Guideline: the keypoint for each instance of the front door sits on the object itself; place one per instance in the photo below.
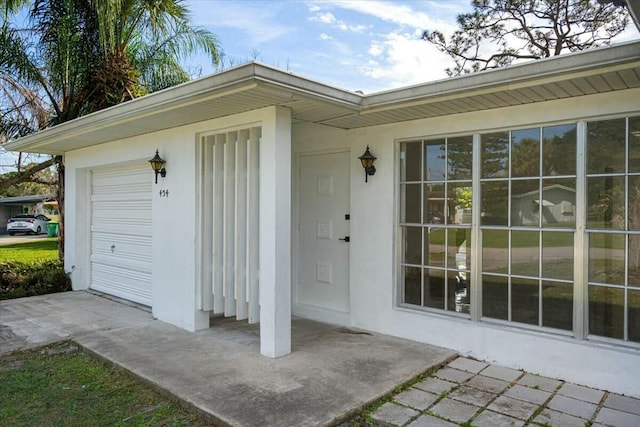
(323, 230)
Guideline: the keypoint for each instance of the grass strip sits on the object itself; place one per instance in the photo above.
(60, 385)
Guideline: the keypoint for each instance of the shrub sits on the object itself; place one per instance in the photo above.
(20, 279)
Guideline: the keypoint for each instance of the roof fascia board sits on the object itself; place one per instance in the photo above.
(516, 76)
(287, 81)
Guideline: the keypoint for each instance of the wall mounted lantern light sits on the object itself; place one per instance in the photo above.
(157, 164)
(367, 160)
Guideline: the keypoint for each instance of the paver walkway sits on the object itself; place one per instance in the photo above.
(471, 393)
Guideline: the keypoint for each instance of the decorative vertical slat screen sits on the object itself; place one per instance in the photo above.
(242, 309)
(218, 223)
(229, 224)
(230, 182)
(253, 208)
(206, 302)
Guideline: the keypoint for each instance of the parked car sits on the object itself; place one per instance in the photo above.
(27, 223)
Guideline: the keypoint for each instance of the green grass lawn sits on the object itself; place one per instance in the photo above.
(59, 385)
(29, 252)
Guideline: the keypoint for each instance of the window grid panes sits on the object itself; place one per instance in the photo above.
(613, 228)
(527, 181)
(527, 223)
(435, 222)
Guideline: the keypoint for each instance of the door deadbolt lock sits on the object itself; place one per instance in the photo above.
(346, 239)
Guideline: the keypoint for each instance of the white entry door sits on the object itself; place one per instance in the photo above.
(121, 259)
(323, 230)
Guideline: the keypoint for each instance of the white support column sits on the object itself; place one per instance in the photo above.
(275, 234)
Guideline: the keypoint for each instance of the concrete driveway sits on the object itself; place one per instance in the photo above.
(331, 373)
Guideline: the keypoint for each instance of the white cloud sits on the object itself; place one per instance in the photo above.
(405, 60)
(396, 55)
(399, 14)
(325, 36)
(376, 48)
(260, 23)
(329, 19)
(325, 18)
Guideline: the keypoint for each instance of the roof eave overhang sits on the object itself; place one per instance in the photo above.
(513, 77)
(340, 108)
(241, 79)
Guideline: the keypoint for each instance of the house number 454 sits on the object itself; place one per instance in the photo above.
(164, 193)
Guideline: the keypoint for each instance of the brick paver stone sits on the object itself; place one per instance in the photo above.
(493, 419)
(393, 414)
(469, 365)
(581, 393)
(472, 395)
(501, 373)
(572, 406)
(558, 419)
(612, 417)
(454, 375)
(453, 410)
(514, 407)
(488, 384)
(435, 385)
(623, 403)
(529, 394)
(541, 383)
(417, 399)
(427, 420)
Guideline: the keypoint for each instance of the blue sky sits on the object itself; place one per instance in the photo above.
(356, 45)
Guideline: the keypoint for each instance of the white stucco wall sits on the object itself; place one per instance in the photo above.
(372, 248)
(372, 230)
(174, 218)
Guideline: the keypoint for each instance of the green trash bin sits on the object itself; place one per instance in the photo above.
(52, 229)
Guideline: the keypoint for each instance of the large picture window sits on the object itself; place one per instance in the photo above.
(613, 227)
(527, 223)
(435, 222)
(524, 200)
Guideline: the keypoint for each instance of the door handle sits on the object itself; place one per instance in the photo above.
(345, 239)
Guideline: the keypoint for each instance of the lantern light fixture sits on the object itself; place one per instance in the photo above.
(367, 160)
(157, 164)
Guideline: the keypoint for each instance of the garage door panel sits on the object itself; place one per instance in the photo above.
(121, 228)
(123, 283)
(122, 251)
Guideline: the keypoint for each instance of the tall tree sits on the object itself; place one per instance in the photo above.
(79, 56)
(498, 32)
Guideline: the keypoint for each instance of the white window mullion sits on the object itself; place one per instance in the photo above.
(475, 275)
(581, 249)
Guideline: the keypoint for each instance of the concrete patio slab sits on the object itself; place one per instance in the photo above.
(330, 373)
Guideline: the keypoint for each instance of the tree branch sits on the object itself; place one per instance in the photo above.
(26, 175)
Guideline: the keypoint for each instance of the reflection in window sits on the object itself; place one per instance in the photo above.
(495, 155)
(613, 227)
(528, 198)
(559, 150)
(525, 152)
(435, 196)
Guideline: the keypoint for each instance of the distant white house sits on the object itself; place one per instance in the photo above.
(265, 212)
(557, 206)
(10, 206)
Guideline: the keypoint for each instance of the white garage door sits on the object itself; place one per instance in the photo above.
(121, 232)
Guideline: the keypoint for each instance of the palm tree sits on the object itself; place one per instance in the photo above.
(79, 56)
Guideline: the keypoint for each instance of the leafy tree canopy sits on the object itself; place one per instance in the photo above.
(498, 32)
